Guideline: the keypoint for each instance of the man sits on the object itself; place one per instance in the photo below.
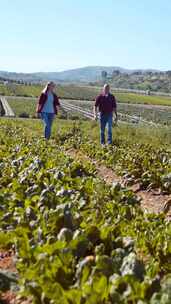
(106, 104)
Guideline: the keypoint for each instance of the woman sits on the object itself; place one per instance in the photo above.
(47, 107)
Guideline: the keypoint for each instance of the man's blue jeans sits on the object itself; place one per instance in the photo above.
(48, 120)
(106, 119)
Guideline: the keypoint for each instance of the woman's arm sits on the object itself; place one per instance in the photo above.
(57, 104)
(41, 102)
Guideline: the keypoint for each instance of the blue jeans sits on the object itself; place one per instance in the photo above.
(106, 119)
(47, 119)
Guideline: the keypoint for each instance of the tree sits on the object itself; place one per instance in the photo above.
(104, 75)
(168, 73)
(115, 73)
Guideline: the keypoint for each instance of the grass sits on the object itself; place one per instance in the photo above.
(155, 114)
(20, 106)
(28, 105)
(63, 91)
(131, 134)
(72, 233)
(142, 153)
(82, 93)
(141, 99)
(155, 137)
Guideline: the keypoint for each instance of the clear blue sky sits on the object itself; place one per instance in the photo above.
(39, 35)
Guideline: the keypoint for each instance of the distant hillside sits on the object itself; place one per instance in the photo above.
(86, 74)
(152, 80)
(20, 76)
(148, 80)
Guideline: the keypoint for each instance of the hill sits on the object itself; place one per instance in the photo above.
(153, 80)
(85, 74)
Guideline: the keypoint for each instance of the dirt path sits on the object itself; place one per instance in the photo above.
(151, 201)
(7, 109)
(7, 264)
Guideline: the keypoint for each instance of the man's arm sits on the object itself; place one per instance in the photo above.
(115, 110)
(95, 112)
(58, 107)
(96, 105)
(116, 115)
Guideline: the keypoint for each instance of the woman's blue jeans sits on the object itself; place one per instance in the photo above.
(47, 120)
(106, 119)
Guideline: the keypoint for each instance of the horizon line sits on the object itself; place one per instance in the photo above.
(88, 66)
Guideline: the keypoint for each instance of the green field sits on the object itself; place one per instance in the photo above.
(76, 239)
(27, 106)
(63, 91)
(141, 99)
(82, 93)
(152, 114)
(21, 106)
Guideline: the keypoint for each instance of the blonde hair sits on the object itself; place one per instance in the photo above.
(47, 86)
(106, 85)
